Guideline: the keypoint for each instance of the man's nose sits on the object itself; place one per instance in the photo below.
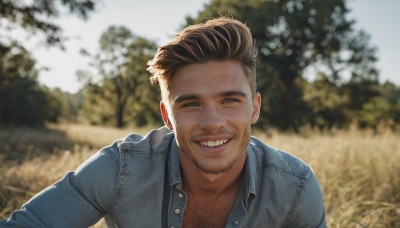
(212, 119)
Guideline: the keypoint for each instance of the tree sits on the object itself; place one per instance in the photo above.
(327, 103)
(382, 108)
(392, 94)
(22, 100)
(121, 65)
(38, 16)
(293, 35)
(72, 103)
(144, 105)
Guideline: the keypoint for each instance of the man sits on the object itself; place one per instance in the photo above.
(203, 169)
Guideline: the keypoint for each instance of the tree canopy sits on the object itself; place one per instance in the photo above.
(22, 99)
(292, 37)
(123, 85)
(314, 68)
(38, 16)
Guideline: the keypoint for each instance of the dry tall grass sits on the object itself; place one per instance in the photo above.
(359, 172)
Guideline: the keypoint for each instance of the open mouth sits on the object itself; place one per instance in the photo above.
(215, 143)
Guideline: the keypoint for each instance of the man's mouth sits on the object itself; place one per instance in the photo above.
(214, 143)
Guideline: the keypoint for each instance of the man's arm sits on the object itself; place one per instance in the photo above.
(80, 199)
(308, 209)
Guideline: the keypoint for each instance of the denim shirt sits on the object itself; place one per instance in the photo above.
(137, 182)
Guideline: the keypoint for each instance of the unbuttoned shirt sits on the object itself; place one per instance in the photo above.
(137, 182)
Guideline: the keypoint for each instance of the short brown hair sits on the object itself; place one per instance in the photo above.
(217, 39)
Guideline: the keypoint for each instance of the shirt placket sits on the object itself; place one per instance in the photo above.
(177, 209)
(238, 214)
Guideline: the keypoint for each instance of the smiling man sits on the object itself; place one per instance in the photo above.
(204, 169)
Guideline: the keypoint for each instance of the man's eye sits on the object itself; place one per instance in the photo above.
(191, 104)
(230, 100)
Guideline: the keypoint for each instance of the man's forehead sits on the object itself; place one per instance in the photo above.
(208, 77)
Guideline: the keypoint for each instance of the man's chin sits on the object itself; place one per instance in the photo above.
(213, 169)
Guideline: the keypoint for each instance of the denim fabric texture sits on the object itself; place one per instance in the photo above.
(136, 182)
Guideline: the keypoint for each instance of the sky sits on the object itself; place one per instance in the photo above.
(158, 20)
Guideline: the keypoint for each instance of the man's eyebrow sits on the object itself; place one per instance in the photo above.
(233, 93)
(229, 93)
(185, 97)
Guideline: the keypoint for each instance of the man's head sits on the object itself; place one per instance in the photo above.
(217, 39)
(207, 77)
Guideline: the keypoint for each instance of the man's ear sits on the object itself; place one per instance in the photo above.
(164, 115)
(256, 108)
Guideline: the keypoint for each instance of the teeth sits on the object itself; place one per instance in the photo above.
(214, 143)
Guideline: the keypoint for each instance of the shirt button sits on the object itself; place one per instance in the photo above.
(236, 222)
(180, 195)
(177, 211)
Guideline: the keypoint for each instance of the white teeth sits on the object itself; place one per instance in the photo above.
(213, 143)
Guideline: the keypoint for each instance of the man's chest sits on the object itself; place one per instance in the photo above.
(211, 216)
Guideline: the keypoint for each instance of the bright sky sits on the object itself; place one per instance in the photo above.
(160, 19)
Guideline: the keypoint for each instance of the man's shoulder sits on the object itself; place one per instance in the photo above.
(268, 157)
(155, 141)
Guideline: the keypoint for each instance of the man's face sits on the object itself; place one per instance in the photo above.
(211, 111)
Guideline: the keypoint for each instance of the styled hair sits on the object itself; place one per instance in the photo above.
(218, 39)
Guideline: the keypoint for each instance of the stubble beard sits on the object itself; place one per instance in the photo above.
(217, 170)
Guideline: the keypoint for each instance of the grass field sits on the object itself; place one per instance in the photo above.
(359, 172)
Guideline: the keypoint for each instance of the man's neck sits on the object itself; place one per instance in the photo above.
(199, 183)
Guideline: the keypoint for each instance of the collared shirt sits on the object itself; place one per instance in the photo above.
(137, 182)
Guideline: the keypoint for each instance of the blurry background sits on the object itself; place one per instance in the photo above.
(73, 78)
(321, 65)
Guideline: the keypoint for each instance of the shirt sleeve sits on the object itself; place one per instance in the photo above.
(308, 210)
(79, 199)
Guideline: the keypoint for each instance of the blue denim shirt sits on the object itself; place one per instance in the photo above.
(136, 182)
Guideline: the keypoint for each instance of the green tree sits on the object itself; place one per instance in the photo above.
(374, 113)
(382, 109)
(292, 36)
(361, 92)
(391, 92)
(144, 105)
(72, 103)
(38, 16)
(327, 103)
(95, 109)
(22, 99)
(121, 66)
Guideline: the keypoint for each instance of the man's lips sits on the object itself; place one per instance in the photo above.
(213, 143)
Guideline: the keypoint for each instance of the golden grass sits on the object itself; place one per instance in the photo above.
(359, 172)
(95, 136)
